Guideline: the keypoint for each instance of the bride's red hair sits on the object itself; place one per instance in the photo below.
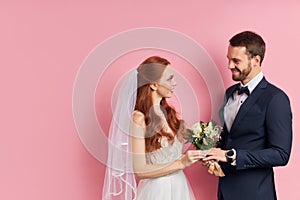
(150, 71)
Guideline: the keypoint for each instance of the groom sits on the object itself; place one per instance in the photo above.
(257, 125)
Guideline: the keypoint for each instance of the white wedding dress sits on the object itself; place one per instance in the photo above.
(170, 187)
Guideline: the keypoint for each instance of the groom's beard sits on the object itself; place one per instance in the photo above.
(242, 74)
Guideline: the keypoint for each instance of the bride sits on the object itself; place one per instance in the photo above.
(149, 146)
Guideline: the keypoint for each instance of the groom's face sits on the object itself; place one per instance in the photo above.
(239, 63)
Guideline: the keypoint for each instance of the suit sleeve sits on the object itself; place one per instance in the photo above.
(278, 129)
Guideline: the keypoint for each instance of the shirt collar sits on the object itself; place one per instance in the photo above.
(254, 82)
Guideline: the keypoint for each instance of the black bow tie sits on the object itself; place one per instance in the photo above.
(242, 90)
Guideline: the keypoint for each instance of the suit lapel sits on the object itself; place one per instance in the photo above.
(248, 104)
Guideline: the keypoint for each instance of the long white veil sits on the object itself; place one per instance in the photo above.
(119, 180)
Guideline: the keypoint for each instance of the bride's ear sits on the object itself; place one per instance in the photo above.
(153, 86)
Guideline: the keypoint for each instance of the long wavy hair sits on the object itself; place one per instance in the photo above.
(150, 71)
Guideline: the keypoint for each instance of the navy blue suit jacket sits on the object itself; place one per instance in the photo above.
(262, 136)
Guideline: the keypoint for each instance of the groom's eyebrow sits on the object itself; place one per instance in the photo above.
(234, 59)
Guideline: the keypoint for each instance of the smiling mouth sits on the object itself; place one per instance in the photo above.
(234, 71)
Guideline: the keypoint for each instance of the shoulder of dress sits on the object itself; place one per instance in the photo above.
(138, 118)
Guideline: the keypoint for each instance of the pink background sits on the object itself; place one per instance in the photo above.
(43, 44)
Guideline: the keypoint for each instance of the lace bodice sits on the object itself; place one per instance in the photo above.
(166, 154)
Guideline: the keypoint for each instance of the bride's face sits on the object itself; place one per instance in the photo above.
(167, 83)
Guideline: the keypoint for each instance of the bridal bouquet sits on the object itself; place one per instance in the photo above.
(204, 136)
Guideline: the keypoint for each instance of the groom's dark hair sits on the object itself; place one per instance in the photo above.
(253, 42)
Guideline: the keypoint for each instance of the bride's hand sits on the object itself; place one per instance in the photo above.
(190, 158)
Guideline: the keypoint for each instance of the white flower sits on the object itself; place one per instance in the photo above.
(205, 135)
(209, 128)
(197, 130)
(205, 142)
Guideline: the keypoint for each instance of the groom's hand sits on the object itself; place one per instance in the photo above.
(216, 154)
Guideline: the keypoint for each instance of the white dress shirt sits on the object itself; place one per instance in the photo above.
(234, 103)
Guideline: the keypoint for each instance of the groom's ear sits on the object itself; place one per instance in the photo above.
(256, 61)
(153, 86)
